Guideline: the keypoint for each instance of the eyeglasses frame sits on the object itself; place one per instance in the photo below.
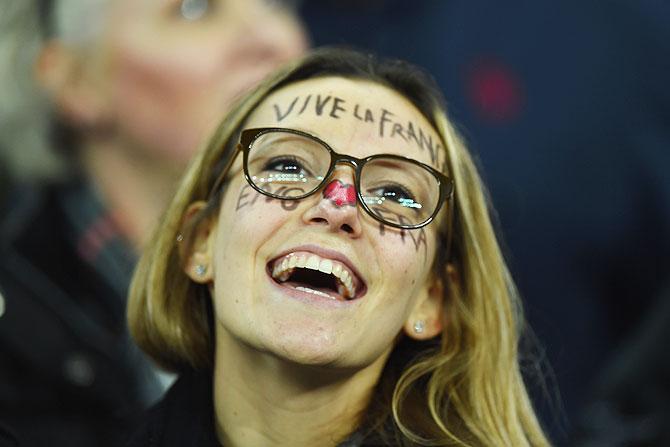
(445, 184)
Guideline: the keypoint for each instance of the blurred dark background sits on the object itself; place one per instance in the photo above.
(567, 105)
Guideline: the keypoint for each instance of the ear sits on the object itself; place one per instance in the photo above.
(425, 320)
(69, 78)
(197, 259)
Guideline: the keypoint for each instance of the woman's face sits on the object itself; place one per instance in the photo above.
(390, 268)
(166, 76)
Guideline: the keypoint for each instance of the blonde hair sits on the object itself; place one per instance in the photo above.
(464, 389)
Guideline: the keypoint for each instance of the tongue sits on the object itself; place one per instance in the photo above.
(319, 291)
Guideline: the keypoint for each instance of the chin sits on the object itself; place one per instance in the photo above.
(314, 349)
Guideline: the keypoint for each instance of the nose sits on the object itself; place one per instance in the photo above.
(336, 207)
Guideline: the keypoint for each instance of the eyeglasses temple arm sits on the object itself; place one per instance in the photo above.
(226, 167)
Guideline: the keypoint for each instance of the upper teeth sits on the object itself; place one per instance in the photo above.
(284, 267)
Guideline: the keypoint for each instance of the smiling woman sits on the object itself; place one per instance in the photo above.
(375, 310)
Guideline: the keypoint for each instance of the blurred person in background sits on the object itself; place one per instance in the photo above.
(568, 107)
(124, 91)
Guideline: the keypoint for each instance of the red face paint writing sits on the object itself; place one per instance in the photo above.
(340, 194)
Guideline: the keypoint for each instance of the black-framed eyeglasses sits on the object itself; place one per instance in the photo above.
(290, 164)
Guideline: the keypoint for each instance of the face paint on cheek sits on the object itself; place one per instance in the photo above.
(340, 194)
(288, 205)
(419, 239)
(248, 197)
(418, 236)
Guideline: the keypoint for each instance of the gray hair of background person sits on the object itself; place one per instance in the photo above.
(26, 116)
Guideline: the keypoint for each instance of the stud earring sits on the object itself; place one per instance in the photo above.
(180, 237)
(200, 269)
(419, 326)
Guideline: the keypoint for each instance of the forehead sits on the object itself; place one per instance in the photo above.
(355, 117)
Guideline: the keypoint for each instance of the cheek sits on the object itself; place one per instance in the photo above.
(165, 101)
(250, 216)
(247, 222)
(405, 260)
(417, 247)
(403, 268)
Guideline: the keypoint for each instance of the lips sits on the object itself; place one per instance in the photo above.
(317, 274)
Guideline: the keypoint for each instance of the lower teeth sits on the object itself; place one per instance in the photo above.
(314, 292)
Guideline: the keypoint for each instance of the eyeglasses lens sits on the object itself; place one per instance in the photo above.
(287, 165)
(398, 191)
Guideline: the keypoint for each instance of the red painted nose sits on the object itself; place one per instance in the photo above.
(340, 194)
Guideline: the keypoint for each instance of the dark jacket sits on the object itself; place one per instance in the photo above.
(185, 417)
(69, 375)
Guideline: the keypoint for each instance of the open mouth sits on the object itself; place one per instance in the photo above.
(310, 273)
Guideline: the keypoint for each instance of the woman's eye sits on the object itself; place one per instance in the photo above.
(285, 165)
(392, 192)
(397, 194)
(194, 9)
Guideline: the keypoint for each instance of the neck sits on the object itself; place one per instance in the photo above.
(264, 400)
(133, 186)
